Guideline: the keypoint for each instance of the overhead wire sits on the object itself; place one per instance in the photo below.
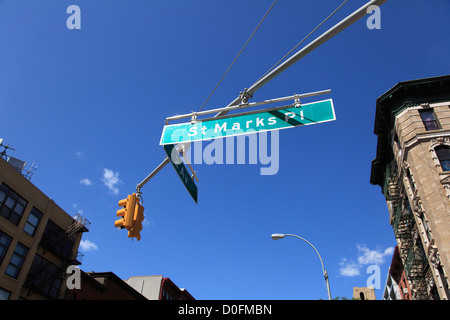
(284, 57)
(304, 39)
(237, 56)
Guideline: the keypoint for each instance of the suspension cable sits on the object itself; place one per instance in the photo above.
(248, 40)
(287, 54)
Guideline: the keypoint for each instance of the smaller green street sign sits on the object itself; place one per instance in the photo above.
(181, 170)
(249, 122)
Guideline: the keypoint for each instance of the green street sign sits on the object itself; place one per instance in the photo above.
(249, 122)
(181, 170)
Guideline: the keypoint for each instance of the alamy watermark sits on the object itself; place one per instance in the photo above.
(74, 20)
(247, 148)
(258, 143)
(374, 280)
(373, 21)
(73, 280)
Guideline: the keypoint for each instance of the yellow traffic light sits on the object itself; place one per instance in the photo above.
(136, 224)
(132, 215)
(126, 213)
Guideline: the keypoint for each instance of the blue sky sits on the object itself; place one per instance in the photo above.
(88, 107)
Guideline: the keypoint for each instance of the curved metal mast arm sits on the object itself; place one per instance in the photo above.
(327, 35)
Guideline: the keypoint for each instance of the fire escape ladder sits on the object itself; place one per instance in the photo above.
(79, 225)
(403, 225)
(416, 268)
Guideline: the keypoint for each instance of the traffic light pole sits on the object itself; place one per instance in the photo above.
(151, 175)
(248, 93)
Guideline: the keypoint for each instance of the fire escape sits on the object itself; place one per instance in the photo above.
(46, 278)
(405, 229)
(60, 242)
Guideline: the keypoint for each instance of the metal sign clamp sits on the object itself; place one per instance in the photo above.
(244, 96)
(194, 117)
(297, 102)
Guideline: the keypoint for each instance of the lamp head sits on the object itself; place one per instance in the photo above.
(277, 236)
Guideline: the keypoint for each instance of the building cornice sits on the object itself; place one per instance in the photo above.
(403, 95)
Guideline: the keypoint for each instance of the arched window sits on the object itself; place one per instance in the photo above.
(443, 154)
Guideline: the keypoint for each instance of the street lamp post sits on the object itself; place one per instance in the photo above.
(277, 236)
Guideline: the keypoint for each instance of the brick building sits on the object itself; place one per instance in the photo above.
(158, 288)
(396, 287)
(102, 286)
(38, 239)
(108, 286)
(412, 167)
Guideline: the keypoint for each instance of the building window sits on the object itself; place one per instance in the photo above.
(5, 241)
(429, 119)
(16, 262)
(443, 154)
(33, 221)
(12, 205)
(4, 294)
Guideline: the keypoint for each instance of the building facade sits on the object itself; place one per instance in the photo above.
(412, 167)
(364, 293)
(102, 286)
(38, 240)
(158, 287)
(396, 287)
(108, 286)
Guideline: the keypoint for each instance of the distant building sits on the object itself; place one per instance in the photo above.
(38, 239)
(396, 287)
(364, 293)
(412, 167)
(158, 288)
(108, 286)
(102, 286)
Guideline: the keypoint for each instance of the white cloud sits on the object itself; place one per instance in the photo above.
(349, 268)
(78, 210)
(111, 180)
(147, 222)
(79, 154)
(87, 245)
(373, 256)
(86, 182)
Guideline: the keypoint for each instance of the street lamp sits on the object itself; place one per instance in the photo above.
(277, 236)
